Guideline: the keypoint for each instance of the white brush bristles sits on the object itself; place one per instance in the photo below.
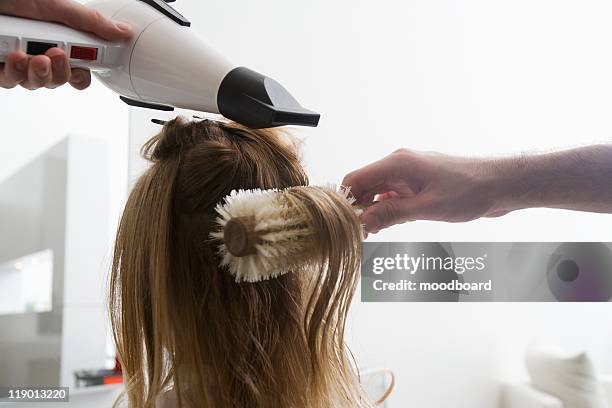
(284, 235)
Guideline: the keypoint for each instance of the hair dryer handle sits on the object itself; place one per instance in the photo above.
(35, 37)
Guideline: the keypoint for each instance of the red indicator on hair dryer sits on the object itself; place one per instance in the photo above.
(84, 53)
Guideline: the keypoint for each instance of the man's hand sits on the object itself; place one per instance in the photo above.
(409, 185)
(52, 69)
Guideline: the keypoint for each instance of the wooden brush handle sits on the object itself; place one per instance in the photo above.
(240, 236)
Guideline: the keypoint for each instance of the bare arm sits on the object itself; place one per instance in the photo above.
(577, 179)
(430, 186)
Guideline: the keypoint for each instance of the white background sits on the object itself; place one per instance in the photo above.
(462, 77)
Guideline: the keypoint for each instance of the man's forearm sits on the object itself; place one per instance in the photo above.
(576, 179)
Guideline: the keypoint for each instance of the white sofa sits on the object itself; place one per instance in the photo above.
(525, 396)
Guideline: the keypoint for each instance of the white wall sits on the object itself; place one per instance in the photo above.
(464, 77)
(34, 121)
(84, 311)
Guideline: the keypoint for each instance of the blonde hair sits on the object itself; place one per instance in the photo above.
(183, 325)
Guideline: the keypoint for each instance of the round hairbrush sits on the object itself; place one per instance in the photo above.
(265, 233)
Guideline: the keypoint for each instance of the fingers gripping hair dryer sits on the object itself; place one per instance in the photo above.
(165, 65)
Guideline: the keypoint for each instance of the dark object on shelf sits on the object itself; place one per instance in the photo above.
(89, 378)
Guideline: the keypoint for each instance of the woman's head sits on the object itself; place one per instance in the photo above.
(181, 321)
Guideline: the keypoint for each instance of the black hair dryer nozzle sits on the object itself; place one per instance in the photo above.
(258, 101)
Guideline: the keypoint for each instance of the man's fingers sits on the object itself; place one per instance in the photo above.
(15, 70)
(390, 173)
(395, 186)
(497, 214)
(393, 211)
(80, 79)
(50, 70)
(39, 73)
(369, 179)
(388, 195)
(4, 81)
(84, 18)
(60, 68)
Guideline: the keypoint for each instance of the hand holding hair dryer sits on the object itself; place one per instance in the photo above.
(165, 65)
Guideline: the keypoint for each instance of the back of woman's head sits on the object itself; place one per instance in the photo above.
(184, 326)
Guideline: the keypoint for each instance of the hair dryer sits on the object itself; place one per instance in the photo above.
(164, 65)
